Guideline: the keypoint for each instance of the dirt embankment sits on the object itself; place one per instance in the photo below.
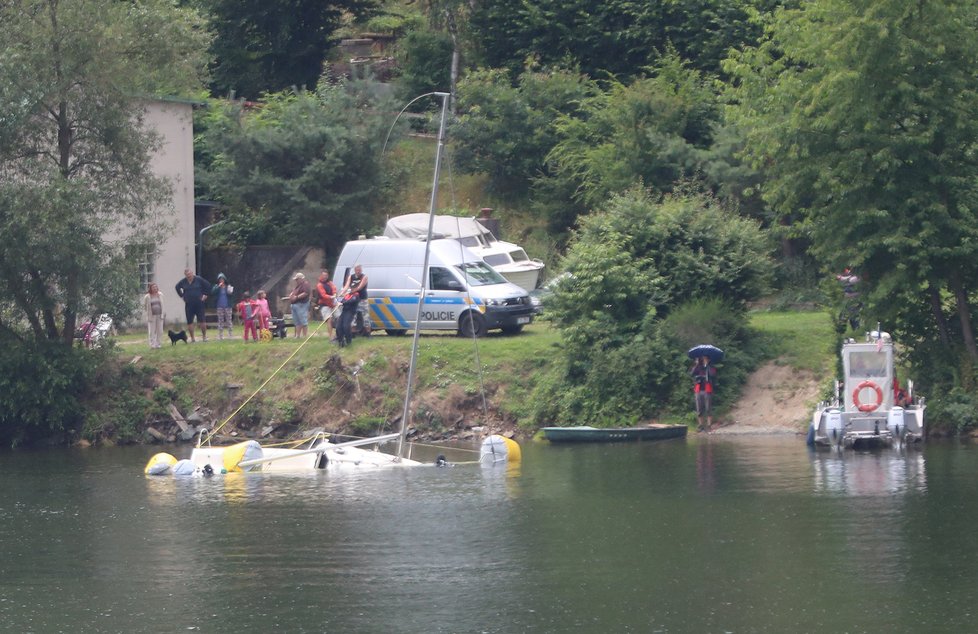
(776, 400)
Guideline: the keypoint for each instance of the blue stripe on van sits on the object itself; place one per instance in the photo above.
(384, 311)
(413, 299)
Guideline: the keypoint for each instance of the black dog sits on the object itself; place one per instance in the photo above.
(177, 336)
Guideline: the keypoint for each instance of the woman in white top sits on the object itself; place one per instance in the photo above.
(153, 309)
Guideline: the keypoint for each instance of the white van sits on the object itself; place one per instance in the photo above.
(463, 292)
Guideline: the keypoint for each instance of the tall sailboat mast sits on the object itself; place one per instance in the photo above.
(406, 414)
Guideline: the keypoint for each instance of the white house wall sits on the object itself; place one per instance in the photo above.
(173, 121)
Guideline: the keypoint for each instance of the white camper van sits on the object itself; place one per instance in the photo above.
(463, 292)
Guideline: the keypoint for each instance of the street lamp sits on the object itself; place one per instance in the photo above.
(200, 243)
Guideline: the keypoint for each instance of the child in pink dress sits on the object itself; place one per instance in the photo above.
(248, 310)
(264, 314)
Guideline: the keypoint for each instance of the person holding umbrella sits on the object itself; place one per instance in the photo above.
(704, 380)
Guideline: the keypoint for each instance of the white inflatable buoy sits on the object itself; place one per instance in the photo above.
(184, 468)
(496, 449)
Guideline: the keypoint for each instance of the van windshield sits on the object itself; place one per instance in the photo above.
(479, 274)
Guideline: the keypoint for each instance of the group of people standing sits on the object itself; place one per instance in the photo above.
(194, 290)
(254, 313)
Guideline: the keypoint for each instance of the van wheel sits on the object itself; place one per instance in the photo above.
(472, 325)
(512, 330)
(395, 332)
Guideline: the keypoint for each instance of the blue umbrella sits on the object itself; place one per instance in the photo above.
(706, 350)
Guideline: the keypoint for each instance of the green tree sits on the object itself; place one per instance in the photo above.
(656, 130)
(629, 267)
(425, 61)
(861, 117)
(263, 46)
(301, 168)
(75, 181)
(76, 186)
(506, 131)
(617, 37)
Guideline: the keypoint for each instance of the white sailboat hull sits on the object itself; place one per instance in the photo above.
(324, 456)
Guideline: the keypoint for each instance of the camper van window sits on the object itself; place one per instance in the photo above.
(864, 364)
(519, 255)
(442, 279)
(496, 259)
(480, 274)
(469, 241)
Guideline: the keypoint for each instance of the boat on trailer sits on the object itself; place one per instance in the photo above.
(865, 411)
(509, 260)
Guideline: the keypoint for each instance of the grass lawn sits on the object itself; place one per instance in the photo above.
(802, 340)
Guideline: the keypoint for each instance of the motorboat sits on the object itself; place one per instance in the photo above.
(509, 260)
(870, 408)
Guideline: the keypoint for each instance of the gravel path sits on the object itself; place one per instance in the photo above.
(776, 400)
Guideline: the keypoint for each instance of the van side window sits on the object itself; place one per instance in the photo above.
(443, 280)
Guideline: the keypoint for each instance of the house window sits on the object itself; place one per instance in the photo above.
(145, 258)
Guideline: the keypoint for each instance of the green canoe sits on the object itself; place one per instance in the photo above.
(613, 434)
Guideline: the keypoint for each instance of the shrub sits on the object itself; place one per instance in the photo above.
(957, 410)
(41, 383)
(624, 331)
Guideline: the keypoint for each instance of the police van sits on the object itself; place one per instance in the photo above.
(463, 293)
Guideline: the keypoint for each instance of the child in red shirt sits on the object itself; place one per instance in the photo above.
(248, 310)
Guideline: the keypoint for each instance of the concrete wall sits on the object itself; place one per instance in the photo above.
(269, 268)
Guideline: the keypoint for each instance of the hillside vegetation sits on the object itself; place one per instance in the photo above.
(359, 390)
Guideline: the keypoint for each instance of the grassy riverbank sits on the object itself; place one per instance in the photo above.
(359, 389)
(285, 386)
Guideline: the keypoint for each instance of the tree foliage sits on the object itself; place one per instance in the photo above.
(506, 131)
(41, 383)
(76, 187)
(75, 181)
(616, 37)
(302, 168)
(263, 46)
(425, 62)
(656, 130)
(629, 267)
(861, 117)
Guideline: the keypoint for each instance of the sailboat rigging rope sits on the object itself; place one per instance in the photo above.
(227, 420)
(475, 340)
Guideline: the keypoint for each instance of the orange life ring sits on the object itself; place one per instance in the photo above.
(867, 407)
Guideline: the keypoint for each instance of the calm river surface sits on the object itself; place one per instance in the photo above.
(710, 534)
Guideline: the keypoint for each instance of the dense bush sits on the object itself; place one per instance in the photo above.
(40, 386)
(425, 61)
(648, 279)
(303, 168)
(957, 411)
(505, 131)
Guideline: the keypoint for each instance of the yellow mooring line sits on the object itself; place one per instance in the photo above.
(266, 382)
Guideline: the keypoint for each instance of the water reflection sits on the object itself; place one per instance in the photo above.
(878, 473)
(711, 534)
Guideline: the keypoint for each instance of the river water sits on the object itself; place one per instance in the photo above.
(708, 534)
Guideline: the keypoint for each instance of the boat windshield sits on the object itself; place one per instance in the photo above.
(496, 259)
(862, 364)
(480, 274)
(518, 255)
